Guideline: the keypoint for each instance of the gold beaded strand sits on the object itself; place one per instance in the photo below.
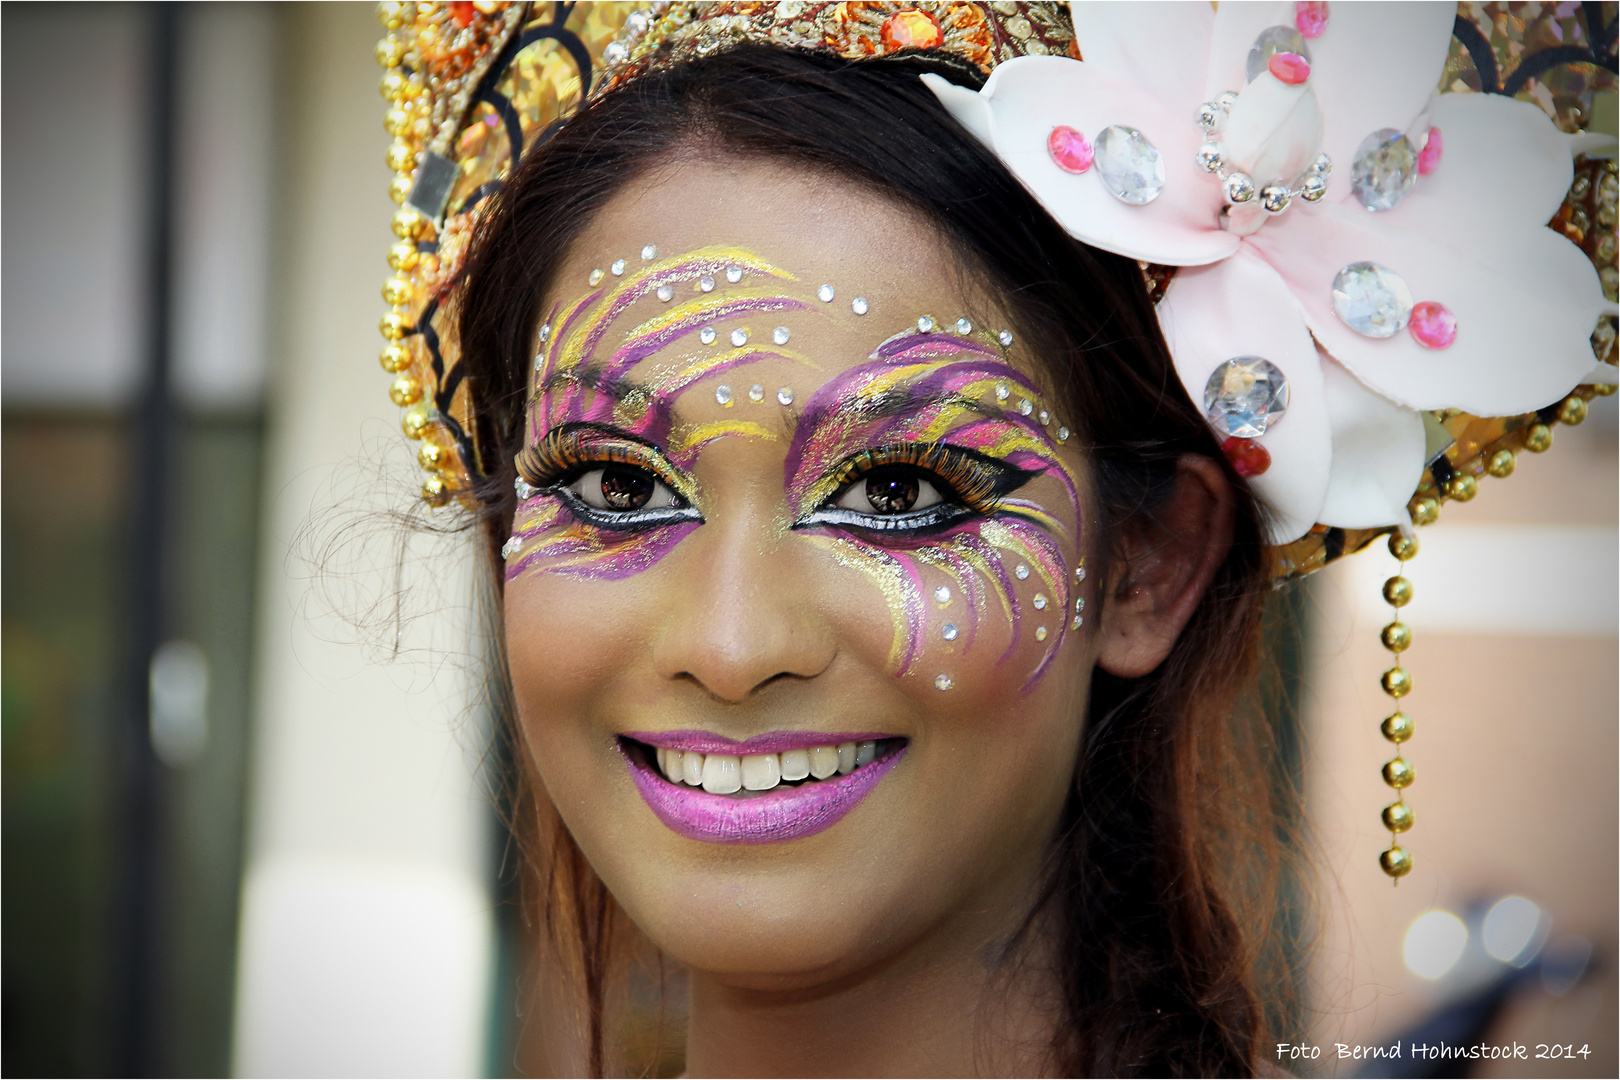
(1397, 727)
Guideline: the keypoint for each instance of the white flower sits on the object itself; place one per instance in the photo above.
(1471, 234)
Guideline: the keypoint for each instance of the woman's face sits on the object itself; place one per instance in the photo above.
(795, 586)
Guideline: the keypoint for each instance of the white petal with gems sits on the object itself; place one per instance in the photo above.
(1377, 454)
(1274, 131)
(1375, 67)
(1030, 95)
(1232, 32)
(1240, 307)
(1158, 47)
(1534, 295)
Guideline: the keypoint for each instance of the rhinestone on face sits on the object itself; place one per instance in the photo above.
(780, 335)
(666, 293)
(1044, 417)
(859, 305)
(943, 594)
(756, 393)
(1372, 300)
(1077, 621)
(706, 283)
(1274, 40)
(949, 633)
(1040, 633)
(722, 394)
(1245, 395)
(524, 489)
(1039, 601)
(707, 335)
(617, 267)
(825, 294)
(734, 274)
(1069, 149)
(739, 338)
(511, 546)
(1021, 572)
(943, 682)
(1080, 603)
(545, 333)
(1003, 392)
(964, 327)
(1063, 433)
(925, 325)
(595, 277)
(1131, 167)
(1005, 337)
(1025, 407)
(784, 396)
(1079, 575)
(1384, 169)
(649, 253)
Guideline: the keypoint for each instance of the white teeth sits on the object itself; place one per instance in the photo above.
(669, 763)
(823, 762)
(846, 758)
(865, 753)
(795, 764)
(722, 774)
(663, 760)
(761, 772)
(692, 768)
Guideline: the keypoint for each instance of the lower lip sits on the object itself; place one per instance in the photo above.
(787, 813)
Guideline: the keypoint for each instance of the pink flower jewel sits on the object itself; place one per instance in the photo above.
(1310, 17)
(1290, 68)
(1070, 150)
(1428, 158)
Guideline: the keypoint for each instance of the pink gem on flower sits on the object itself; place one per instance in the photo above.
(1429, 156)
(1310, 18)
(1069, 149)
(1432, 325)
(1290, 68)
(1247, 456)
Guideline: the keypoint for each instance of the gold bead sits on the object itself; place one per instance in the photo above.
(1501, 463)
(1397, 682)
(399, 188)
(1572, 411)
(1398, 817)
(1538, 438)
(406, 223)
(390, 51)
(1398, 773)
(1403, 548)
(396, 291)
(397, 122)
(435, 492)
(1398, 591)
(394, 86)
(431, 455)
(1397, 862)
(1463, 487)
(393, 326)
(400, 157)
(1427, 511)
(395, 358)
(1397, 637)
(402, 257)
(393, 14)
(415, 423)
(405, 391)
(1604, 389)
(1397, 727)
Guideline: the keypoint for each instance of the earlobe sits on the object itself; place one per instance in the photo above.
(1168, 560)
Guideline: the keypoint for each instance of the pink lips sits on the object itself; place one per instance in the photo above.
(784, 813)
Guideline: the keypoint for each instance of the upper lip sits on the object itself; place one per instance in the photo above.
(772, 742)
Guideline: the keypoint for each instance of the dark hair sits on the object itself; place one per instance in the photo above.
(1166, 848)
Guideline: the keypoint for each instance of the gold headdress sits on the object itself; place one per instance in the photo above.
(472, 85)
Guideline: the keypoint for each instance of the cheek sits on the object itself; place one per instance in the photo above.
(547, 540)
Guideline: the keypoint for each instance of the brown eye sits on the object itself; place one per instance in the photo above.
(622, 488)
(891, 493)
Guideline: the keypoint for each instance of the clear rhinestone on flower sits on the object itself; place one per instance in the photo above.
(1040, 601)
(707, 335)
(706, 283)
(1372, 300)
(859, 305)
(943, 594)
(1276, 39)
(614, 52)
(617, 268)
(780, 335)
(649, 253)
(943, 682)
(734, 274)
(756, 393)
(1021, 572)
(666, 293)
(1040, 633)
(1384, 169)
(636, 22)
(925, 325)
(964, 326)
(1245, 395)
(825, 294)
(739, 337)
(1005, 337)
(595, 277)
(1132, 169)
(784, 396)
(949, 633)
(722, 394)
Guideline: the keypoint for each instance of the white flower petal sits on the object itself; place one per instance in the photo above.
(970, 108)
(1275, 130)
(1030, 95)
(1237, 24)
(1523, 318)
(1377, 454)
(1376, 66)
(1240, 307)
(1161, 48)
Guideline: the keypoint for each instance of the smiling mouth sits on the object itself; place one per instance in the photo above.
(744, 776)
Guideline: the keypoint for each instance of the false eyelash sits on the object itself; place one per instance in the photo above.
(978, 481)
(568, 451)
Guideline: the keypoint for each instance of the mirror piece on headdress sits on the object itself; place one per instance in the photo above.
(1384, 169)
(1274, 41)
(435, 174)
(1131, 167)
(1372, 300)
(1245, 396)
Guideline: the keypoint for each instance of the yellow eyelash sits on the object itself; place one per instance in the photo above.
(967, 478)
(568, 450)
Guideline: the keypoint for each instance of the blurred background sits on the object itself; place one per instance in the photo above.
(245, 833)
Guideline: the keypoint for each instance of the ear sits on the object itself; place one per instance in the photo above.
(1167, 562)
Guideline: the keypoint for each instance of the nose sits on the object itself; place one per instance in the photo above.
(742, 613)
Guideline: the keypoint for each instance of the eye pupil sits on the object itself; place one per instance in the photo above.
(891, 493)
(626, 489)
